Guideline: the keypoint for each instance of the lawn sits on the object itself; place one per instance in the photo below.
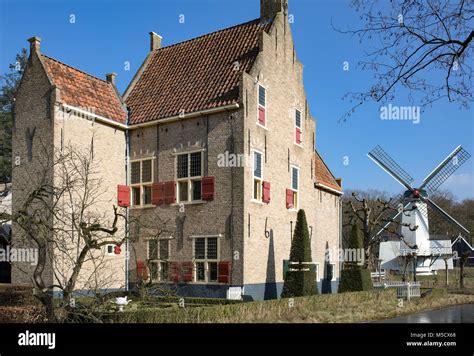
(336, 308)
(438, 281)
(19, 306)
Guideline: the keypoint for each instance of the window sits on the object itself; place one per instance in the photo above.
(158, 255)
(206, 257)
(189, 176)
(295, 176)
(262, 106)
(331, 272)
(257, 176)
(141, 182)
(298, 130)
(109, 250)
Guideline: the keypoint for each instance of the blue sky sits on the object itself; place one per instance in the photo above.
(106, 34)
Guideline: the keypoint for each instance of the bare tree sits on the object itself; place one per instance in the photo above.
(462, 263)
(371, 216)
(64, 222)
(422, 46)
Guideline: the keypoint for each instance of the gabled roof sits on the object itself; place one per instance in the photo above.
(85, 91)
(195, 75)
(461, 240)
(323, 174)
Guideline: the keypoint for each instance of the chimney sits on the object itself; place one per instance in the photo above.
(339, 181)
(269, 8)
(110, 77)
(35, 43)
(155, 41)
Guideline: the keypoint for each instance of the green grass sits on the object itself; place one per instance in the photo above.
(334, 308)
(438, 281)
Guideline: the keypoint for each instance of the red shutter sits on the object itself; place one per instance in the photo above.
(298, 135)
(142, 270)
(157, 194)
(261, 115)
(174, 271)
(117, 249)
(187, 268)
(123, 196)
(289, 198)
(169, 192)
(224, 272)
(208, 190)
(266, 192)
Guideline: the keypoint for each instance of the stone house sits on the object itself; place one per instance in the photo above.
(212, 138)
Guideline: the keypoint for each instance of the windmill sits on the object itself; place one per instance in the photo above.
(415, 205)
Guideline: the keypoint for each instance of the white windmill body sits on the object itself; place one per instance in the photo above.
(415, 244)
(415, 216)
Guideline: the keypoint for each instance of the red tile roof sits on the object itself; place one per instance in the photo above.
(195, 75)
(85, 91)
(323, 174)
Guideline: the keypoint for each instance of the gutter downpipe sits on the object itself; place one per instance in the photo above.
(127, 214)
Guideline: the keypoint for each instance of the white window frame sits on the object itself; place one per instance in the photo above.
(206, 260)
(159, 260)
(333, 271)
(260, 179)
(299, 127)
(317, 271)
(142, 184)
(106, 250)
(188, 179)
(296, 192)
(265, 106)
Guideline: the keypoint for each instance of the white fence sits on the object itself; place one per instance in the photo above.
(404, 289)
(378, 274)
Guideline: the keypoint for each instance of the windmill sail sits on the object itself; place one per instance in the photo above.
(445, 169)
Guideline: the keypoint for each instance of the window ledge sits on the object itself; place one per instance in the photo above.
(195, 202)
(263, 127)
(257, 201)
(203, 283)
(299, 145)
(148, 206)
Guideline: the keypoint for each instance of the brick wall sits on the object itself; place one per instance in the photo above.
(106, 146)
(279, 71)
(212, 134)
(32, 113)
(37, 108)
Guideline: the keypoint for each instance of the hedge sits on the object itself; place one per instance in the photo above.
(355, 279)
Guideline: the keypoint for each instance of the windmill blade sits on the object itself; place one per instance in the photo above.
(398, 207)
(381, 158)
(445, 169)
(433, 207)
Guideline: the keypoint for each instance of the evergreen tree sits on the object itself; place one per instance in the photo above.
(8, 86)
(354, 277)
(302, 281)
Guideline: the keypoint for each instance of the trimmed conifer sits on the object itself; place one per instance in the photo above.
(355, 277)
(301, 281)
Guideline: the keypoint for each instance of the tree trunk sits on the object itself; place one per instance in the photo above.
(447, 275)
(462, 262)
(41, 291)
